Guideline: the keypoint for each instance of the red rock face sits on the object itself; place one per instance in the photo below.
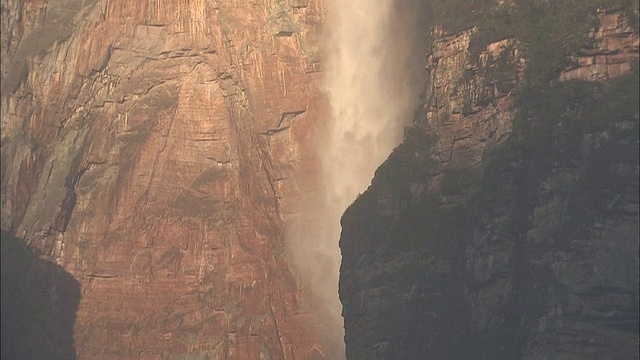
(152, 149)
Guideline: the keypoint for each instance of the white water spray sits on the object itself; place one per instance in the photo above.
(371, 81)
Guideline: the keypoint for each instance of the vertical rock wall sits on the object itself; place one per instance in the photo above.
(506, 224)
(151, 148)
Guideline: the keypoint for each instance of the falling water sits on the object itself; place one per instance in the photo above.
(372, 80)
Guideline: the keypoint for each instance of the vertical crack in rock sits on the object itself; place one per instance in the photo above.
(172, 235)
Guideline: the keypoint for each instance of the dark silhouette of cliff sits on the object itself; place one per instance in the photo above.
(505, 226)
(39, 304)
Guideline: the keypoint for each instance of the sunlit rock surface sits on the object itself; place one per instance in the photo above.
(151, 149)
(492, 235)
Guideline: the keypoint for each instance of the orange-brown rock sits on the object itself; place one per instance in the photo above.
(151, 150)
(614, 50)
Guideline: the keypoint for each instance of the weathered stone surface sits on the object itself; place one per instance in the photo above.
(614, 49)
(466, 106)
(151, 150)
(492, 243)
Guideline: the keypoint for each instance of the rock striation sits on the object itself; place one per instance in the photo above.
(506, 224)
(152, 150)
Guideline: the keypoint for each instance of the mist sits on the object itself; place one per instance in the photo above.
(374, 72)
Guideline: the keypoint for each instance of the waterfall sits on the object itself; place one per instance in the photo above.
(372, 79)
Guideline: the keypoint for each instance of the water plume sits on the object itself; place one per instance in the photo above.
(373, 76)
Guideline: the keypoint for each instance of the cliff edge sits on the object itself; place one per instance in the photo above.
(505, 226)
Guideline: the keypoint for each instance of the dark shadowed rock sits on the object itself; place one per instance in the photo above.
(506, 224)
(39, 304)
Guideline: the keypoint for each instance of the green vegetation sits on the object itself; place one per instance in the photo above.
(453, 16)
(572, 141)
(549, 30)
(552, 32)
(552, 115)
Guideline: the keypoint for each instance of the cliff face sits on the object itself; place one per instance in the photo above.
(149, 149)
(506, 224)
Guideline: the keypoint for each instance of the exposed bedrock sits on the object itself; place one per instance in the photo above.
(505, 226)
(154, 150)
